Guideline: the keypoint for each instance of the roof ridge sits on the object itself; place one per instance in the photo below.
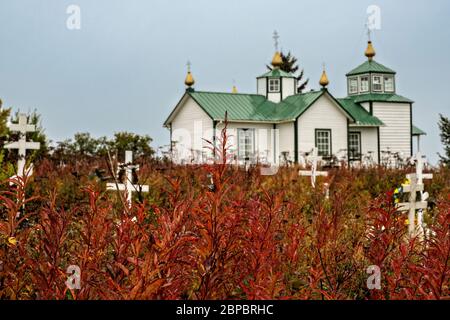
(230, 93)
(304, 93)
(372, 63)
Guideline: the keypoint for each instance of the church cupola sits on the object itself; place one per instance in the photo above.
(371, 76)
(277, 60)
(276, 84)
(189, 80)
(370, 51)
(324, 79)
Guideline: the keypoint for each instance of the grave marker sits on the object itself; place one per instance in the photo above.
(416, 185)
(22, 145)
(128, 186)
(313, 173)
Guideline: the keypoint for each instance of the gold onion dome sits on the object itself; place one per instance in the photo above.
(324, 79)
(189, 81)
(234, 90)
(370, 51)
(277, 61)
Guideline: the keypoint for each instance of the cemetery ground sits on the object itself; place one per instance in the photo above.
(247, 237)
(217, 231)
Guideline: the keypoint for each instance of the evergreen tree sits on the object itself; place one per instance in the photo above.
(444, 126)
(4, 114)
(290, 65)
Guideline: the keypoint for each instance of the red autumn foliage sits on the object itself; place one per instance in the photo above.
(216, 231)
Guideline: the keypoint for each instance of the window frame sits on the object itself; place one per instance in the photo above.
(350, 79)
(351, 155)
(381, 83)
(361, 82)
(330, 147)
(393, 83)
(278, 86)
(253, 146)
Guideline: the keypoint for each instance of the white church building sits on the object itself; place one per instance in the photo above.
(276, 123)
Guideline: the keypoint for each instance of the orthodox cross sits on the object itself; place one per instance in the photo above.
(128, 186)
(416, 185)
(369, 31)
(275, 39)
(22, 145)
(313, 173)
(188, 64)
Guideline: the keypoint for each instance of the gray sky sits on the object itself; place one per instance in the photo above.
(124, 69)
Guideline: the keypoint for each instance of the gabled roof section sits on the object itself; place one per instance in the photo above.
(362, 116)
(276, 73)
(370, 66)
(177, 107)
(253, 107)
(417, 132)
(380, 97)
(294, 106)
(239, 106)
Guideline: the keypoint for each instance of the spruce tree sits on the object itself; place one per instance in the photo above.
(4, 114)
(290, 65)
(444, 126)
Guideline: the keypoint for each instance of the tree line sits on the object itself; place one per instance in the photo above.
(81, 147)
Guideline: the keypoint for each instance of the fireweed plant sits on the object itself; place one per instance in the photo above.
(218, 231)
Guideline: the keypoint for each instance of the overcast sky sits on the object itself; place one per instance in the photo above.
(124, 69)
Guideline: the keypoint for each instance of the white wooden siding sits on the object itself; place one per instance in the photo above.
(286, 131)
(261, 86)
(369, 141)
(274, 96)
(264, 138)
(288, 87)
(366, 105)
(323, 114)
(396, 135)
(189, 126)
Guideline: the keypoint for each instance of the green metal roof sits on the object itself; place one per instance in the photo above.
(276, 73)
(362, 116)
(370, 66)
(379, 97)
(418, 132)
(237, 105)
(254, 107)
(294, 106)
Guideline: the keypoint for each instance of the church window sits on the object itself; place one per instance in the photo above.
(388, 84)
(364, 84)
(274, 85)
(246, 144)
(353, 85)
(354, 145)
(323, 142)
(376, 83)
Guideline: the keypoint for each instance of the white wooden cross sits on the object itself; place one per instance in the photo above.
(22, 145)
(416, 185)
(313, 173)
(128, 186)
